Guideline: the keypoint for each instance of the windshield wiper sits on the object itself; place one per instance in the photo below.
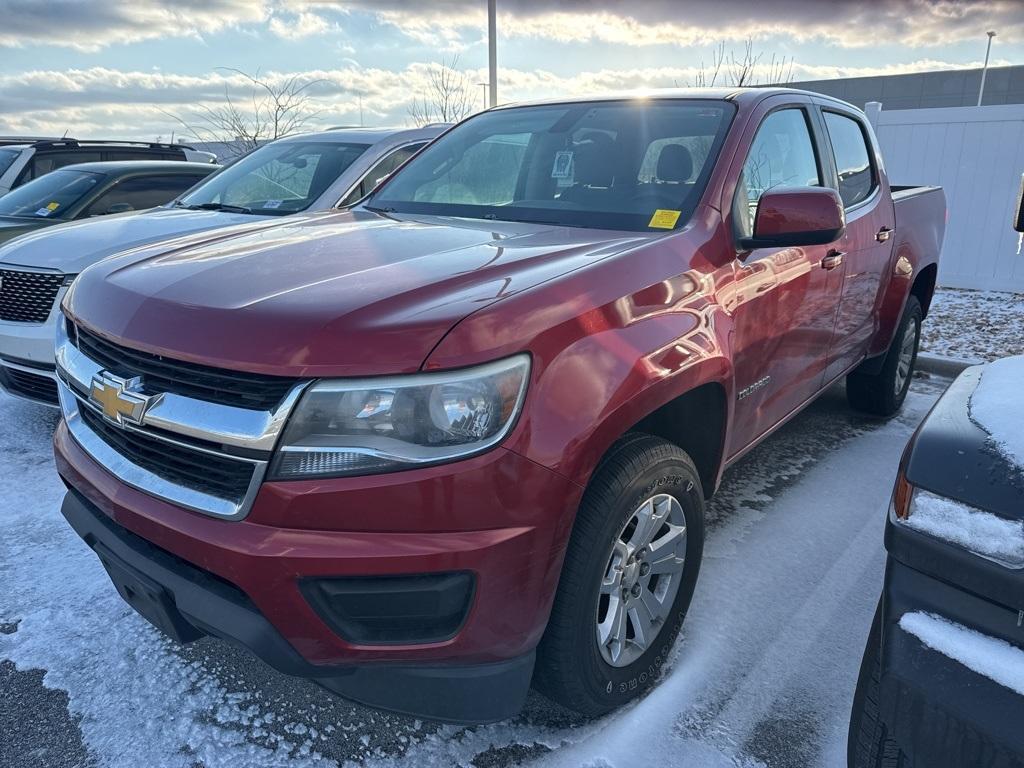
(382, 211)
(214, 207)
(495, 217)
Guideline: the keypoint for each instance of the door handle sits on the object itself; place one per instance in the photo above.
(884, 234)
(832, 260)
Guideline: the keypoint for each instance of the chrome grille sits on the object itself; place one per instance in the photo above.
(163, 374)
(27, 297)
(182, 448)
(211, 473)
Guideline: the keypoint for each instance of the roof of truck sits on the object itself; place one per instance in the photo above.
(714, 94)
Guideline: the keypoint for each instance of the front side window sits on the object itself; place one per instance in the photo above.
(278, 178)
(384, 168)
(139, 193)
(50, 196)
(853, 162)
(637, 165)
(781, 155)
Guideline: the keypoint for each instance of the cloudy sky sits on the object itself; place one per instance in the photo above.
(111, 69)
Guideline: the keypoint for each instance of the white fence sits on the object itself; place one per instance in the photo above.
(977, 155)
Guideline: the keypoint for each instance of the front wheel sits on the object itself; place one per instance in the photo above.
(883, 393)
(629, 574)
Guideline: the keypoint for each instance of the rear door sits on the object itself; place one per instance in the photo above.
(785, 301)
(867, 244)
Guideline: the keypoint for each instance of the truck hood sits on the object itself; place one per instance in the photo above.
(337, 294)
(72, 247)
(13, 226)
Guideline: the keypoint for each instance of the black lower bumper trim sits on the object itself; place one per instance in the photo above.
(171, 588)
(943, 714)
(471, 695)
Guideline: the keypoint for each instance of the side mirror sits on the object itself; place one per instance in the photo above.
(1018, 219)
(792, 216)
(120, 208)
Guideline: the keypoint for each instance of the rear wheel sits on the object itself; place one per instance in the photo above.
(883, 393)
(629, 574)
(868, 744)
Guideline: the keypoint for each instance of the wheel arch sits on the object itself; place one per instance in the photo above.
(695, 421)
(924, 286)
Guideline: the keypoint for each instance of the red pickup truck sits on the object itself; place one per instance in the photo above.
(460, 439)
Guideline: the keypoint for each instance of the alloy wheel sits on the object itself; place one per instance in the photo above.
(641, 580)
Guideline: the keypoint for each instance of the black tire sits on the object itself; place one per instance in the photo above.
(877, 393)
(868, 744)
(570, 667)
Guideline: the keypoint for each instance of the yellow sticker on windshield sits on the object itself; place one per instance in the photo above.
(53, 206)
(663, 219)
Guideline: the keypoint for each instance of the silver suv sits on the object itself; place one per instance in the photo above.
(307, 173)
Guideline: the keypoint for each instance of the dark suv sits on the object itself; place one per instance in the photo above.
(31, 158)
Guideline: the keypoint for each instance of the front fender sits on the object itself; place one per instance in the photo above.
(599, 370)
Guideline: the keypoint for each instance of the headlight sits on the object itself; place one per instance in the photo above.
(987, 535)
(365, 426)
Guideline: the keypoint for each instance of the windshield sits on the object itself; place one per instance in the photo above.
(277, 179)
(7, 156)
(636, 165)
(49, 196)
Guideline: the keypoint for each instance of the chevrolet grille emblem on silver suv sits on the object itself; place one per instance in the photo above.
(120, 400)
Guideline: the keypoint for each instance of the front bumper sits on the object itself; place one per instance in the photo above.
(938, 710)
(27, 361)
(497, 516)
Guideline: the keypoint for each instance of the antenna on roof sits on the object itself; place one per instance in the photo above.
(65, 134)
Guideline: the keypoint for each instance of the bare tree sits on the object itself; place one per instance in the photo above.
(272, 110)
(447, 98)
(749, 67)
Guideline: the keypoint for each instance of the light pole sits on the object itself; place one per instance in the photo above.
(984, 69)
(485, 86)
(492, 49)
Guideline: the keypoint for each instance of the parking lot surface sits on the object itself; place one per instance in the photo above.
(763, 673)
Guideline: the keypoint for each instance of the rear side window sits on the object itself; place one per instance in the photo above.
(781, 155)
(853, 161)
(139, 193)
(45, 162)
(7, 158)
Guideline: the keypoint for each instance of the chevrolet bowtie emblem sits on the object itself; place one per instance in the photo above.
(120, 400)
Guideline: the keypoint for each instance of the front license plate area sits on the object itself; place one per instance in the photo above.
(152, 601)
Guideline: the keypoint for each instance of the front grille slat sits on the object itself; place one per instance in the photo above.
(29, 384)
(162, 374)
(28, 297)
(216, 475)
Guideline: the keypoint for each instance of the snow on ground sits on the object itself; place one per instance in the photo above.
(974, 325)
(989, 656)
(997, 405)
(975, 529)
(763, 674)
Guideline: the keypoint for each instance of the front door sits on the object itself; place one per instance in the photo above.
(785, 304)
